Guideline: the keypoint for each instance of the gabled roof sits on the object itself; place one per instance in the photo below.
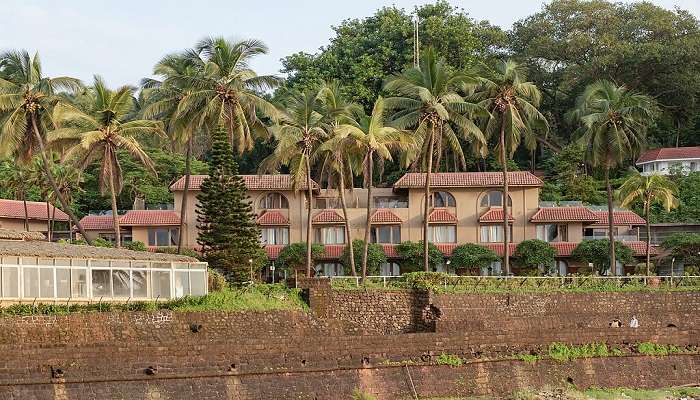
(150, 218)
(273, 250)
(620, 217)
(384, 216)
(468, 179)
(252, 182)
(441, 216)
(390, 250)
(564, 249)
(35, 210)
(639, 248)
(498, 247)
(327, 217)
(494, 215)
(272, 218)
(97, 223)
(669, 153)
(564, 214)
(332, 251)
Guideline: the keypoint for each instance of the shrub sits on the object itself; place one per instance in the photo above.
(136, 245)
(685, 247)
(425, 280)
(375, 256)
(99, 242)
(185, 252)
(293, 256)
(563, 353)
(217, 281)
(449, 359)
(473, 257)
(412, 255)
(596, 252)
(533, 253)
(529, 358)
(653, 349)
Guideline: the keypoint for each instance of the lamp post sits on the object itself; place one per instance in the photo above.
(250, 264)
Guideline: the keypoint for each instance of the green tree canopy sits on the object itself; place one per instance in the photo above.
(411, 254)
(375, 256)
(596, 252)
(293, 256)
(533, 253)
(684, 247)
(473, 257)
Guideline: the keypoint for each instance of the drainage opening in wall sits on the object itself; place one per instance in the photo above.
(303, 363)
(569, 380)
(671, 326)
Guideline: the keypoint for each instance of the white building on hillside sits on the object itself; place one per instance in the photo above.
(663, 161)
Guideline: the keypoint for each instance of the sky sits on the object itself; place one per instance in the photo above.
(121, 41)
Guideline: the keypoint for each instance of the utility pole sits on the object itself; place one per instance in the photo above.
(416, 43)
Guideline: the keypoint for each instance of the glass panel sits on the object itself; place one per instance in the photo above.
(28, 260)
(10, 260)
(174, 236)
(161, 284)
(182, 283)
(63, 283)
(79, 282)
(31, 282)
(179, 265)
(99, 264)
(140, 264)
(198, 265)
(101, 283)
(45, 261)
(140, 283)
(121, 283)
(384, 234)
(63, 262)
(198, 283)
(396, 234)
(79, 262)
(46, 282)
(120, 264)
(161, 265)
(151, 237)
(10, 282)
(162, 237)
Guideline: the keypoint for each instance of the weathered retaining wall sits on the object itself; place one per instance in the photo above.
(345, 344)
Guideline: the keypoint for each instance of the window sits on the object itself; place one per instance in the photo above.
(275, 235)
(330, 235)
(443, 199)
(121, 283)
(386, 234)
(389, 269)
(442, 234)
(693, 166)
(10, 281)
(562, 267)
(139, 283)
(161, 284)
(493, 269)
(330, 269)
(101, 283)
(494, 198)
(163, 236)
(494, 233)
(328, 202)
(390, 202)
(274, 201)
(553, 233)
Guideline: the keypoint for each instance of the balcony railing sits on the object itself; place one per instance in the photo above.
(622, 238)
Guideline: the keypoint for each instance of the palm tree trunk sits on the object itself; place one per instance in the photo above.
(185, 194)
(365, 250)
(506, 196)
(115, 214)
(308, 216)
(648, 225)
(48, 219)
(426, 201)
(611, 235)
(26, 211)
(47, 170)
(348, 235)
(53, 220)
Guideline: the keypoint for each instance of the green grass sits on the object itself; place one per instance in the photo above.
(449, 359)
(250, 298)
(653, 349)
(563, 353)
(529, 358)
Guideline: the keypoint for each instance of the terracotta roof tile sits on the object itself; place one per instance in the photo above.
(150, 218)
(494, 215)
(35, 210)
(498, 247)
(446, 248)
(97, 223)
(564, 249)
(620, 217)
(564, 214)
(669, 153)
(332, 251)
(384, 216)
(468, 179)
(269, 218)
(273, 250)
(252, 182)
(639, 248)
(441, 216)
(390, 250)
(327, 217)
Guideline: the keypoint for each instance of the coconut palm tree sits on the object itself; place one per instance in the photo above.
(68, 180)
(427, 101)
(27, 99)
(337, 165)
(99, 132)
(512, 104)
(614, 122)
(225, 92)
(299, 133)
(163, 99)
(17, 182)
(649, 189)
(371, 141)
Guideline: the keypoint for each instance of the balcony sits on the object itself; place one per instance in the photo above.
(622, 238)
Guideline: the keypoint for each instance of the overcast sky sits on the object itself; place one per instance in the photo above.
(123, 40)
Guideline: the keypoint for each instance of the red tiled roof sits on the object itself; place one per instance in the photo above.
(332, 251)
(639, 248)
(35, 210)
(252, 182)
(390, 250)
(468, 179)
(564, 249)
(441, 216)
(97, 223)
(384, 216)
(619, 218)
(272, 218)
(273, 250)
(494, 215)
(498, 247)
(669, 153)
(327, 217)
(150, 218)
(564, 214)
(446, 248)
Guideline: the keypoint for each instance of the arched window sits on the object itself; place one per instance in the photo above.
(494, 198)
(274, 201)
(443, 199)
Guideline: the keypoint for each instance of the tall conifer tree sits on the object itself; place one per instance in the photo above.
(228, 234)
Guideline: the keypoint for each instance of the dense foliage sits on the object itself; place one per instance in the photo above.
(411, 254)
(532, 254)
(375, 256)
(472, 257)
(293, 256)
(596, 252)
(685, 247)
